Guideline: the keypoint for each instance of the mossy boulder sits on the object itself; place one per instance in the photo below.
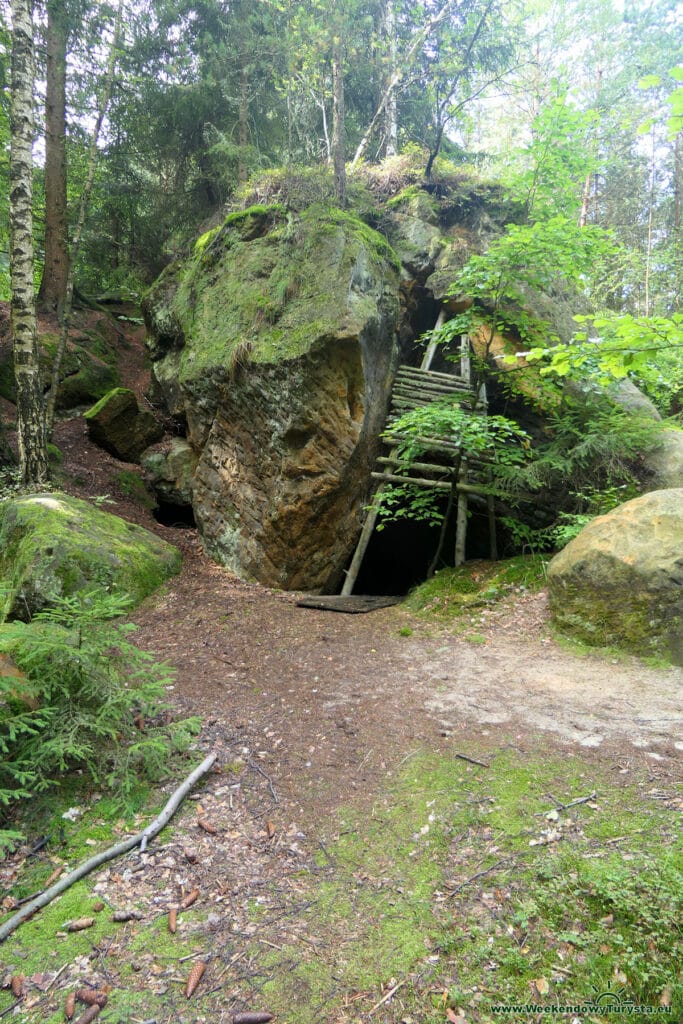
(276, 345)
(118, 424)
(620, 582)
(169, 470)
(88, 368)
(53, 545)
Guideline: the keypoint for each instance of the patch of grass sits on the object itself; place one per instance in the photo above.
(466, 886)
(458, 883)
(453, 592)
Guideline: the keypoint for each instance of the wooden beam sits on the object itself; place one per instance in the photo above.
(493, 541)
(435, 375)
(432, 346)
(418, 481)
(427, 467)
(461, 516)
(363, 541)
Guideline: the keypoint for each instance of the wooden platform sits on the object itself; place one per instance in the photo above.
(351, 604)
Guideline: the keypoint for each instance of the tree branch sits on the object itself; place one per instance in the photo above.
(109, 854)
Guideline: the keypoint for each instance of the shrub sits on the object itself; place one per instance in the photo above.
(83, 698)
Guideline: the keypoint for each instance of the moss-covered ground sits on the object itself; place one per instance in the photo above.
(460, 887)
(463, 593)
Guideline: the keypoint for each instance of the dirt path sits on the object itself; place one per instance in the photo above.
(327, 701)
(312, 713)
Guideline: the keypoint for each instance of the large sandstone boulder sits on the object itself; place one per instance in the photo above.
(53, 545)
(620, 582)
(665, 462)
(118, 424)
(276, 346)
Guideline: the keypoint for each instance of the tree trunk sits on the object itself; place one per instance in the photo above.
(52, 291)
(338, 128)
(391, 101)
(80, 223)
(30, 409)
(243, 122)
(678, 184)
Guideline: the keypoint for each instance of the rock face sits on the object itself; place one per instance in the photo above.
(276, 346)
(117, 424)
(620, 581)
(53, 545)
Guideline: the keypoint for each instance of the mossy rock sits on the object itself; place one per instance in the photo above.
(53, 546)
(620, 582)
(88, 368)
(170, 471)
(266, 288)
(118, 424)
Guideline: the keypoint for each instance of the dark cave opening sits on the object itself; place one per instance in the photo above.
(398, 556)
(180, 516)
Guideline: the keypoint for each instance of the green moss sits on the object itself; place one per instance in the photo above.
(104, 401)
(397, 895)
(53, 545)
(255, 212)
(627, 619)
(453, 592)
(266, 290)
(133, 486)
(204, 240)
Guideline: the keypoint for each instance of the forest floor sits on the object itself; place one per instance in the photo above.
(385, 836)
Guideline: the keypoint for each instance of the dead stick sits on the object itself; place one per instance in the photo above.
(479, 874)
(473, 760)
(387, 996)
(572, 803)
(118, 850)
(266, 776)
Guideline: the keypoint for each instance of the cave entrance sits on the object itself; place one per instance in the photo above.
(179, 516)
(400, 555)
(405, 552)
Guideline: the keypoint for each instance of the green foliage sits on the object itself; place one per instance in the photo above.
(621, 344)
(532, 257)
(557, 160)
(496, 440)
(74, 704)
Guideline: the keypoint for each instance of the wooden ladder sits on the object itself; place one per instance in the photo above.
(413, 389)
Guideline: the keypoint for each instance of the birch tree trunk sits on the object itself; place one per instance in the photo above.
(52, 293)
(30, 407)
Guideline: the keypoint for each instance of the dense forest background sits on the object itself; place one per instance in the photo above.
(569, 104)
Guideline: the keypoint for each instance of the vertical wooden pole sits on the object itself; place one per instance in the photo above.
(493, 541)
(363, 541)
(432, 346)
(465, 363)
(461, 518)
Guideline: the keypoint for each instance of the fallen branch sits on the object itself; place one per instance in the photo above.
(387, 996)
(473, 760)
(266, 776)
(563, 807)
(118, 850)
(479, 874)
